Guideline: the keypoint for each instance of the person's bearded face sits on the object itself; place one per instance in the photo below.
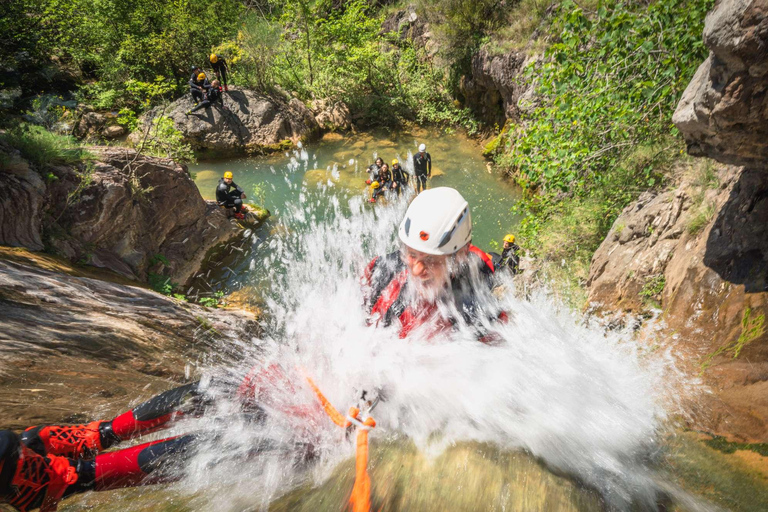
(429, 273)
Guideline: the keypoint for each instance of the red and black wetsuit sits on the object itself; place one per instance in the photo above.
(48, 463)
(386, 294)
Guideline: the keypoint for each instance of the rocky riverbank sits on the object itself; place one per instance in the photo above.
(75, 341)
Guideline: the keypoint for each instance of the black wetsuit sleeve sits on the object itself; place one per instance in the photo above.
(221, 193)
(429, 164)
(9, 457)
(237, 187)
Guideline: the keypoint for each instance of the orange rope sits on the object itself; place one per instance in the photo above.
(360, 499)
(335, 415)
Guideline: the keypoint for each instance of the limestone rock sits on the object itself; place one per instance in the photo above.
(22, 197)
(333, 116)
(714, 288)
(112, 132)
(493, 89)
(74, 348)
(252, 123)
(723, 112)
(90, 124)
(113, 226)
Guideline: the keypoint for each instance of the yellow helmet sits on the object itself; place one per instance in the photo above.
(228, 175)
(201, 76)
(395, 162)
(214, 58)
(510, 239)
(375, 184)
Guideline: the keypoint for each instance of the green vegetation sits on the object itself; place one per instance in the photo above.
(43, 148)
(752, 328)
(601, 133)
(211, 302)
(652, 289)
(722, 444)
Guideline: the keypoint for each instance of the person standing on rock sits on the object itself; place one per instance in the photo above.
(422, 167)
(198, 86)
(220, 68)
(226, 197)
(399, 177)
(510, 257)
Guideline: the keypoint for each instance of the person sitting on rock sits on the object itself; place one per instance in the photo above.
(198, 85)
(212, 96)
(510, 257)
(220, 68)
(399, 177)
(228, 198)
(373, 170)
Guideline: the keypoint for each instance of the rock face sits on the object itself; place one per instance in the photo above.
(406, 24)
(22, 193)
(133, 219)
(701, 255)
(724, 110)
(253, 123)
(493, 89)
(134, 233)
(332, 116)
(75, 348)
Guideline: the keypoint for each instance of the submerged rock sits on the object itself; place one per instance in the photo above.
(723, 112)
(253, 123)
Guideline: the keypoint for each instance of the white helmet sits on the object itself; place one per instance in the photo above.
(437, 222)
(422, 148)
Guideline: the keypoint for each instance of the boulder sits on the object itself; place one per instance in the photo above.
(139, 210)
(333, 116)
(700, 256)
(493, 89)
(252, 123)
(723, 112)
(90, 124)
(112, 132)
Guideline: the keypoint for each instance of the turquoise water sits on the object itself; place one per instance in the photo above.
(335, 169)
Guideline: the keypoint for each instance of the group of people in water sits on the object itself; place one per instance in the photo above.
(205, 93)
(384, 180)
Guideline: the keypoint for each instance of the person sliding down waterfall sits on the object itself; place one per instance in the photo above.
(227, 198)
(47, 463)
(437, 279)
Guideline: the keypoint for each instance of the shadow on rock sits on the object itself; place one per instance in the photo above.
(737, 248)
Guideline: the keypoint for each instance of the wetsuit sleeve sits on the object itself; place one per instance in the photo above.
(193, 84)
(237, 187)
(429, 164)
(221, 194)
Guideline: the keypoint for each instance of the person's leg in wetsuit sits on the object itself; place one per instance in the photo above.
(235, 201)
(47, 463)
(421, 182)
(197, 96)
(203, 104)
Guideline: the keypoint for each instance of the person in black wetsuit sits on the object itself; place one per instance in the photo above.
(399, 177)
(220, 68)
(510, 257)
(384, 178)
(198, 85)
(422, 168)
(212, 96)
(228, 198)
(373, 170)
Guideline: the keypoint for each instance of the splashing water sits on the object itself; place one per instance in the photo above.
(583, 401)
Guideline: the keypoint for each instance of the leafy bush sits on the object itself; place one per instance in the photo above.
(607, 87)
(161, 284)
(42, 147)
